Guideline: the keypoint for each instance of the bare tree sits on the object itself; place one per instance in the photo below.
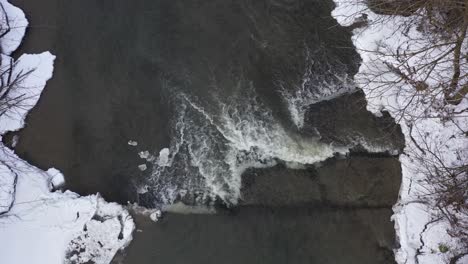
(427, 69)
(13, 97)
(11, 81)
(431, 64)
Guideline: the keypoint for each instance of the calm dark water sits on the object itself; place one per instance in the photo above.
(338, 213)
(224, 85)
(265, 235)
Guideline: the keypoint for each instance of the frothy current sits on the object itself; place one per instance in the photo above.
(213, 145)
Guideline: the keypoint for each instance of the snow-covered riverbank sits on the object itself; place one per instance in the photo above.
(422, 232)
(39, 224)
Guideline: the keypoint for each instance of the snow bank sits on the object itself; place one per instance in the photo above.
(36, 224)
(7, 191)
(49, 227)
(33, 71)
(14, 25)
(420, 232)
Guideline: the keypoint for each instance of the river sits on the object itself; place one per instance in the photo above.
(246, 106)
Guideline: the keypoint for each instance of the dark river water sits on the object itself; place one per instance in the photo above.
(242, 105)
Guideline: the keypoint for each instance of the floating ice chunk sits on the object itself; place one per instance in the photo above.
(142, 167)
(132, 143)
(14, 141)
(56, 177)
(155, 215)
(146, 155)
(163, 157)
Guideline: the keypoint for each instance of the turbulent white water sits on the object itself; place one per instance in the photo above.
(314, 87)
(212, 148)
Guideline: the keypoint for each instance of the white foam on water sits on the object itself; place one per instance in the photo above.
(211, 150)
(181, 208)
(313, 88)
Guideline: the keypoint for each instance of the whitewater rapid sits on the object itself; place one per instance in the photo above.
(216, 139)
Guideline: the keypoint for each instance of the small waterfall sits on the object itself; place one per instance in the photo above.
(212, 148)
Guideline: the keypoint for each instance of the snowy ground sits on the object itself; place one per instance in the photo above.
(423, 238)
(38, 224)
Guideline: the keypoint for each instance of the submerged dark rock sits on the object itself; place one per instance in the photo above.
(354, 182)
(345, 120)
